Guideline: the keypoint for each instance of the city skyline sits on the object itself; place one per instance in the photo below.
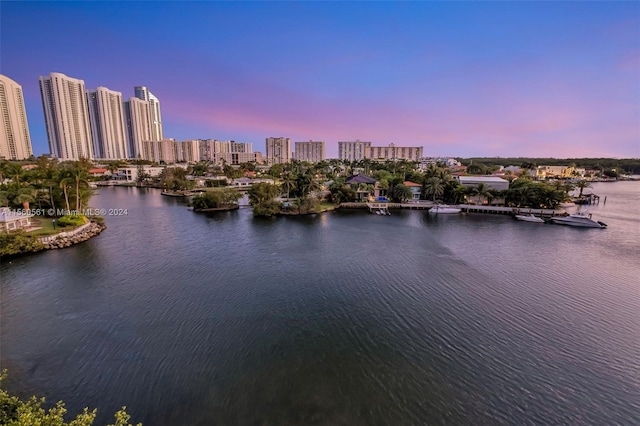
(488, 79)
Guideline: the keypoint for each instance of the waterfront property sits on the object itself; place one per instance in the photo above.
(492, 182)
(415, 189)
(11, 220)
(361, 184)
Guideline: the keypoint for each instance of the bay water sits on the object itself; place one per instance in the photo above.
(342, 318)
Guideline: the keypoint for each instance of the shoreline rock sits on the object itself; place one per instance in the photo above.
(62, 242)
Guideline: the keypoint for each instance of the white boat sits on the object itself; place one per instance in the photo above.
(444, 209)
(529, 218)
(578, 219)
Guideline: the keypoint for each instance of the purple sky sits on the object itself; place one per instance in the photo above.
(543, 79)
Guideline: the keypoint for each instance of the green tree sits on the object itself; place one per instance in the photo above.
(288, 182)
(401, 193)
(17, 412)
(79, 171)
(433, 186)
(482, 190)
(65, 184)
(262, 199)
(25, 196)
(582, 184)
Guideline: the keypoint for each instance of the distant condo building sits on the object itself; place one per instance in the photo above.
(229, 152)
(191, 151)
(143, 93)
(138, 119)
(107, 124)
(392, 152)
(168, 151)
(312, 151)
(352, 151)
(278, 150)
(15, 140)
(66, 116)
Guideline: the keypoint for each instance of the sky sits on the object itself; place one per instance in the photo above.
(461, 79)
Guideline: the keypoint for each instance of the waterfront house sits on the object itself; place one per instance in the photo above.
(11, 220)
(415, 189)
(492, 182)
(130, 173)
(98, 172)
(247, 182)
(365, 186)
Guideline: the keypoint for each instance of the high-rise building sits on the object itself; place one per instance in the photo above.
(138, 118)
(107, 124)
(191, 151)
(352, 151)
(143, 93)
(66, 116)
(167, 151)
(312, 151)
(278, 150)
(15, 140)
(392, 152)
(229, 152)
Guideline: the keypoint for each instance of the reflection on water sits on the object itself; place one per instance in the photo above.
(340, 318)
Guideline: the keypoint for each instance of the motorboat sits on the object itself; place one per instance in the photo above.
(529, 218)
(581, 219)
(444, 209)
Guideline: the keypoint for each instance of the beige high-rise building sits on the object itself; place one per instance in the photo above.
(66, 115)
(278, 150)
(15, 140)
(312, 151)
(228, 151)
(392, 152)
(352, 151)
(167, 151)
(143, 93)
(138, 119)
(107, 124)
(191, 151)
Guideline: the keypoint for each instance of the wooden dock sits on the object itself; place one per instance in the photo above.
(466, 208)
(512, 211)
(422, 205)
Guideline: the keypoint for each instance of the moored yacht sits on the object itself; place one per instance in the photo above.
(529, 218)
(579, 219)
(444, 209)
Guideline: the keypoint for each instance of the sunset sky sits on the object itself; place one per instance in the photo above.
(543, 79)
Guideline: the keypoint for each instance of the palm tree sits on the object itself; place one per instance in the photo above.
(583, 184)
(508, 175)
(65, 184)
(288, 182)
(433, 186)
(401, 193)
(482, 190)
(13, 171)
(308, 184)
(524, 174)
(25, 196)
(80, 173)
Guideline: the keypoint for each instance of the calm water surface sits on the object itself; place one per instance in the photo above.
(339, 319)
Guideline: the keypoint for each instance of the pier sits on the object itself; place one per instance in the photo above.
(421, 205)
(472, 208)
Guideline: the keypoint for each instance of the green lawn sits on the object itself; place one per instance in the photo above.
(46, 227)
(326, 206)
